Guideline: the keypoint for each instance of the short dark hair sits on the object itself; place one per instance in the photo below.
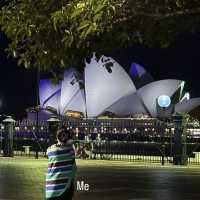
(63, 134)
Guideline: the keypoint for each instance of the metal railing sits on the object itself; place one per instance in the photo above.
(139, 140)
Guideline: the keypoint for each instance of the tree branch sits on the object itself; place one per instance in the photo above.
(173, 14)
(160, 16)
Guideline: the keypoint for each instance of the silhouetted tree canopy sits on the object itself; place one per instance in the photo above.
(56, 34)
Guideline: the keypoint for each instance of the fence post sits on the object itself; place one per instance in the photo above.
(53, 123)
(1, 137)
(8, 136)
(180, 154)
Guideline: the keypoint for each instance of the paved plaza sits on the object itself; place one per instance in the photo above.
(23, 179)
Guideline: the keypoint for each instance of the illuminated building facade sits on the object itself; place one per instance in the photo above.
(111, 91)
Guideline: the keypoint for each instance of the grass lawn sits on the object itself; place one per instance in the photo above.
(23, 179)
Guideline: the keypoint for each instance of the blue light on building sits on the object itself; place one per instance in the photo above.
(164, 101)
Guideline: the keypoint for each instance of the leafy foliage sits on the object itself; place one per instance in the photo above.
(55, 34)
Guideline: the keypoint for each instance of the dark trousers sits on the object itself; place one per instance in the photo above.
(67, 195)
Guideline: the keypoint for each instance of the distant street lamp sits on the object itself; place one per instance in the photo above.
(8, 136)
(1, 131)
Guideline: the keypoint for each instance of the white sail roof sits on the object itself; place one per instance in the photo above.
(186, 97)
(77, 103)
(150, 92)
(72, 98)
(49, 94)
(104, 88)
(136, 70)
(128, 105)
(110, 88)
(187, 105)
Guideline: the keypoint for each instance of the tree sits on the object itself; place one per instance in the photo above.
(56, 34)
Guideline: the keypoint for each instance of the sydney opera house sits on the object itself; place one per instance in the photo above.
(113, 92)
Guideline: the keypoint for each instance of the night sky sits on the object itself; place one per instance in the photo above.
(18, 87)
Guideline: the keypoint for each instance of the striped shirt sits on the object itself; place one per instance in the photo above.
(61, 170)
